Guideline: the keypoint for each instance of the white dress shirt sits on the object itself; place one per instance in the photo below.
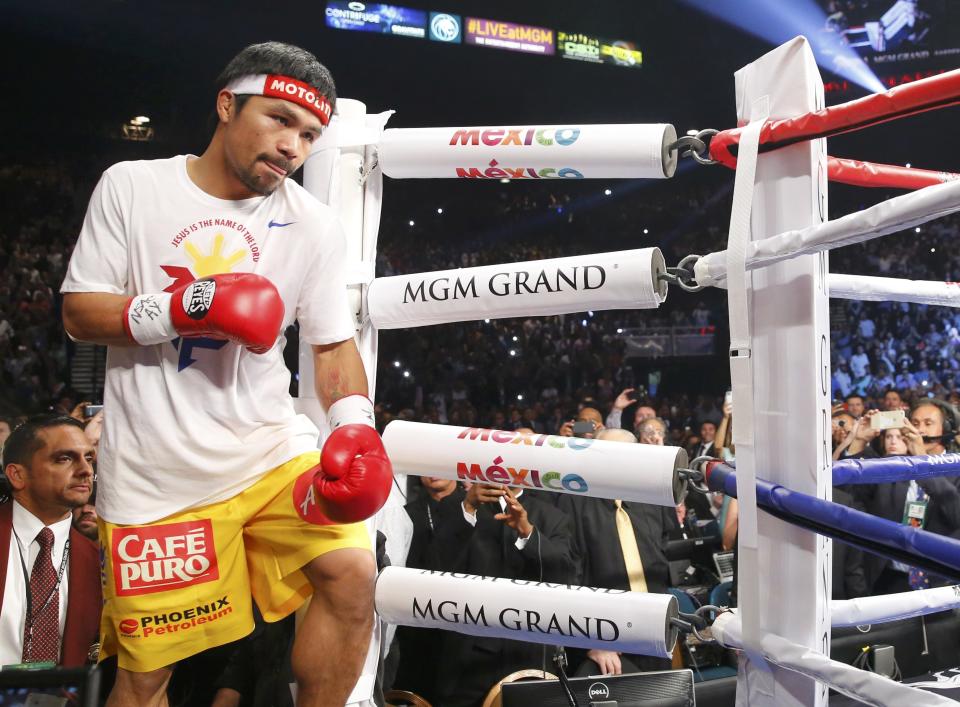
(13, 613)
(471, 518)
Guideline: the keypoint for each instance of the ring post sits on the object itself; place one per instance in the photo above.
(788, 305)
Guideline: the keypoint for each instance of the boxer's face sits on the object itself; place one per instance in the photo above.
(266, 140)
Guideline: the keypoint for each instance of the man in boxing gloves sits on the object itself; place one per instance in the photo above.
(210, 487)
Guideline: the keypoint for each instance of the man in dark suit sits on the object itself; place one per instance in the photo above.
(932, 503)
(419, 648)
(50, 596)
(601, 561)
(499, 532)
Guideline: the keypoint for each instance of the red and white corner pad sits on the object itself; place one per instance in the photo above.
(289, 89)
(931, 93)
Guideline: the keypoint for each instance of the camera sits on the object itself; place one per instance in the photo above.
(584, 427)
(91, 410)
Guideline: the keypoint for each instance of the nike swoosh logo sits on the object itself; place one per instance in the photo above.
(274, 224)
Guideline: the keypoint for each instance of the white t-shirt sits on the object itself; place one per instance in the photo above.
(195, 421)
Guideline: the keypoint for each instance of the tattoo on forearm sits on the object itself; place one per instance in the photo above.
(334, 386)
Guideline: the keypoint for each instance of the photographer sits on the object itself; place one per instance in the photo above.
(587, 424)
(852, 436)
(931, 503)
(624, 401)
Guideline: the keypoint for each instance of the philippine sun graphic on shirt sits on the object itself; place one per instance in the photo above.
(214, 262)
(206, 417)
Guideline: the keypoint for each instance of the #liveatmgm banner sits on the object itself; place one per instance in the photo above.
(628, 151)
(644, 473)
(521, 610)
(626, 279)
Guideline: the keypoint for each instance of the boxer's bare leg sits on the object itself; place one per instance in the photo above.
(140, 689)
(334, 636)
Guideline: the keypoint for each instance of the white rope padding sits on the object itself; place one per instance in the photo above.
(893, 289)
(645, 473)
(893, 607)
(521, 610)
(625, 279)
(883, 219)
(613, 151)
(869, 688)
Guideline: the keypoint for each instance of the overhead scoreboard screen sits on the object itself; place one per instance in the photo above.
(508, 35)
(377, 17)
(596, 50)
(451, 28)
(900, 40)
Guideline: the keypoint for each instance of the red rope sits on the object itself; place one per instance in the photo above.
(909, 99)
(870, 174)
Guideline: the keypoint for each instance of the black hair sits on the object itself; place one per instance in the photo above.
(282, 59)
(854, 395)
(25, 440)
(949, 420)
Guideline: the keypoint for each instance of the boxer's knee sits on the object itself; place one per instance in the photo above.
(343, 580)
(140, 689)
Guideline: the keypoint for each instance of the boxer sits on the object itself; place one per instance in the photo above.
(211, 490)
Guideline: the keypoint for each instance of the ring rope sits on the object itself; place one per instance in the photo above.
(909, 99)
(899, 468)
(864, 686)
(883, 219)
(887, 176)
(928, 551)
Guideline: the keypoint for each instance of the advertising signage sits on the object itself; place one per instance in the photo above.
(621, 53)
(581, 47)
(507, 35)
(584, 47)
(376, 17)
(445, 27)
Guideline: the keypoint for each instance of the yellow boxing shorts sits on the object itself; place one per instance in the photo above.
(180, 585)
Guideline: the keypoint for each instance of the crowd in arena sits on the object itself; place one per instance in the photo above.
(566, 375)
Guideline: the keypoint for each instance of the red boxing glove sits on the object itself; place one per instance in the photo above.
(244, 308)
(354, 476)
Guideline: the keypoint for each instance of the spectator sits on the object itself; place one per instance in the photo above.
(420, 648)
(497, 532)
(859, 363)
(708, 432)
(892, 400)
(842, 381)
(6, 427)
(622, 401)
(601, 549)
(931, 503)
(85, 519)
(852, 437)
(849, 569)
(652, 430)
(855, 406)
(47, 462)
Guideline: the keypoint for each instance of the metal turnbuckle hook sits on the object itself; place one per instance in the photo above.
(695, 146)
(694, 476)
(683, 275)
(702, 157)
